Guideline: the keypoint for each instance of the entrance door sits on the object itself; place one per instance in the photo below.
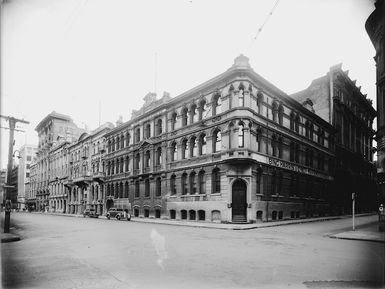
(239, 201)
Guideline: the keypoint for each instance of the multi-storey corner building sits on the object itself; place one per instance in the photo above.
(337, 99)
(50, 130)
(86, 172)
(26, 155)
(233, 149)
(375, 27)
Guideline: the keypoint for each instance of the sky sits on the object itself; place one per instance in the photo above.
(95, 60)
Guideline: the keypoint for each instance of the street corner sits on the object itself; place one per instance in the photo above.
(9, 237)
(360, 236)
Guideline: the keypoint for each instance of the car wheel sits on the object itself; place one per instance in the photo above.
(118, 217)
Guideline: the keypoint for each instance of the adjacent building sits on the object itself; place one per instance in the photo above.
(233, 149)
(51, 130)
(86, 172)
(3, 180)
(26, 155)
(375, 27)
(12, 191)
(336, 99)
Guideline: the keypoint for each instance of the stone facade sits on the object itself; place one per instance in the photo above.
(86, 172)
(233, 149)
(337, 99)
(375, 27)
(51, 130)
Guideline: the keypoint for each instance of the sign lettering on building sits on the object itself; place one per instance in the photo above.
(295, 168)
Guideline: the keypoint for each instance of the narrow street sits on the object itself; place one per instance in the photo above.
(64, 252)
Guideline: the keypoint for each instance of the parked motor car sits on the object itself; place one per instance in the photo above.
(91, 213)
(119, 214)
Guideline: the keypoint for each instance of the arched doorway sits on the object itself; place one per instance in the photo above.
(239, 201)
(109, 204)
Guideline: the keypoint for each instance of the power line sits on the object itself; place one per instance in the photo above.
(262, 26)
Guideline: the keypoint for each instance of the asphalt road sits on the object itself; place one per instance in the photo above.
(65, 252)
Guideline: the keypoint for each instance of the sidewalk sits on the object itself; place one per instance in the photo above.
(228, 226)
(9, 237)
(361, 236)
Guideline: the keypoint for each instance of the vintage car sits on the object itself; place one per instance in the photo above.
(91, 213)
(119, 214)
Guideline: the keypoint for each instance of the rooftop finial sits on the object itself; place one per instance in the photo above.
(241, 62)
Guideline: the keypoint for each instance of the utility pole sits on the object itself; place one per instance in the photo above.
(8, 206)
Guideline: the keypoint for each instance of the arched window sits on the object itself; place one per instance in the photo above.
(297, 121)
(173, 184)
(159, 127)
(274, 109)
(128, 137)
(259, 101)
(147, 131)
(217, 104)
(193, 113)
(184, 149)
(321, 136)
(193, 183)
(113, 145)
(216, 181)
(137, 161)
(274, 148)
(173, 120)
(121, 141)
(184, 187)
(201, 109)
(280, 114)
(241, 135)
(292, 151)
(121, 164)
(117, 142)
(158, 156)
(109, 147)
(307, 128)
(126, 189)
(116, 194)
(184, 116)
(297, 152)
(193, 147)
(137, 189)
(158, 187)
(121, 190)
(202, 144)
(217, 141)
(147, 188)
(241, 95)
(147, 159)
(292, 120)
(127, 164)
(202, 182)
(112, 167)
(137, 135)
(174, 151)
(117, 166)
(311, 131)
